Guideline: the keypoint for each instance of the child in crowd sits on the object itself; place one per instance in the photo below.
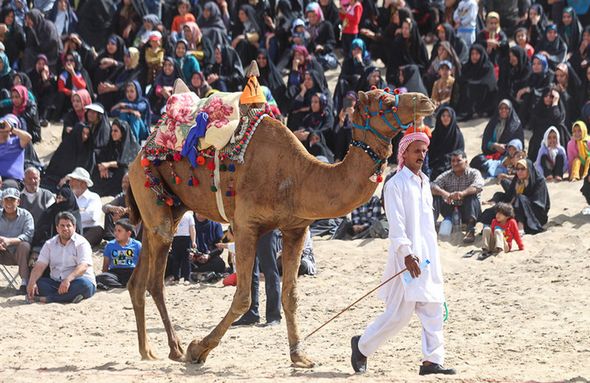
(465, 17)
(578, 151)
(442, 90)
(154, 56)
(299, 34)
(350, 14)
(504, 229)
(183, 17)
(552, 159)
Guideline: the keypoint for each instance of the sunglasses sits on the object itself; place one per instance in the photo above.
(520, 169)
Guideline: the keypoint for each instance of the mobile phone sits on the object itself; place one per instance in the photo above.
(347, 103)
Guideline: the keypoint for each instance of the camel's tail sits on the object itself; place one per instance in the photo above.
(134, 215)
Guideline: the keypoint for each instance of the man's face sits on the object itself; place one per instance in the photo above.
(78, 187)
(459, 164)
(65, 229)
(121, 234)
(10, 204)
(414, 155)
(32, 181)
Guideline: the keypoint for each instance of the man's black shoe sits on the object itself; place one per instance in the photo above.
(246, 321)
(357, 359)
(434, 368)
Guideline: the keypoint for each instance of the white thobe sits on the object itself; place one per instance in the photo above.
(408, 205)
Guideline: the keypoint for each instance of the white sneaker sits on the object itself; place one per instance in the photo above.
(586, 211)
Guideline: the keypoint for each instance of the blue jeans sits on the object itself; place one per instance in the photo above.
(266, 260)
(79, 286)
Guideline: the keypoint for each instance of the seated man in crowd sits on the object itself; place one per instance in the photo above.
(209, 235)
(13, 142)
(16, 233)
(69, 258)
(89, 204)
(115, 210)
(366, 222)
(459, 188)
(35, 199)
(120, 257)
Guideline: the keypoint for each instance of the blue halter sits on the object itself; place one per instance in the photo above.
(381, 113)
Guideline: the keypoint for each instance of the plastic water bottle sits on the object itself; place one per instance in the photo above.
(408, 277)
(446, 227)
(456, 219)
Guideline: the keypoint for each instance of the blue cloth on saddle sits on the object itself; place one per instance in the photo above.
(189, 149)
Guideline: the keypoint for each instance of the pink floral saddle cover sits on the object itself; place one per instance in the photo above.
(223, 117)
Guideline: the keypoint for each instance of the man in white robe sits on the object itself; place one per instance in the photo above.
(408, 205)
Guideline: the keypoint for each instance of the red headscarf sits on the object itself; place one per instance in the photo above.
(405, 143)
(24, 95)
(86, 100)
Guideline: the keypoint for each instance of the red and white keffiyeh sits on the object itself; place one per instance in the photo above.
(405, 143)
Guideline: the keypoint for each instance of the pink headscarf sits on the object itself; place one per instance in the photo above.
(24, 95)
(85, 99)
(405, 143)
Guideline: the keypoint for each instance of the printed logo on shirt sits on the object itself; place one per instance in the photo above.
(123, 257)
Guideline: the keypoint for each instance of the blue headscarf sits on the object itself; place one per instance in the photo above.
(359, 43)
(6, 68)
(543, 61)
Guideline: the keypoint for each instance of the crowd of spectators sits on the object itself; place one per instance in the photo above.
(103, 70)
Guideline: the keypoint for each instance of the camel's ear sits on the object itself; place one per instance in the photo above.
(180, 87)
(363, 98)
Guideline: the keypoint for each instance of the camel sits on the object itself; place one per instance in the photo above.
(279, 185)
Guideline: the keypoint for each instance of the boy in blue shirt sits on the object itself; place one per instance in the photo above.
(120, 257)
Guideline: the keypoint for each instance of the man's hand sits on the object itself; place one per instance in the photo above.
(412, 266)
(358, 228)
(32, 290)
(64, 286)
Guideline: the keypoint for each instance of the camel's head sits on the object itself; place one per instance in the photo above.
(386, 113)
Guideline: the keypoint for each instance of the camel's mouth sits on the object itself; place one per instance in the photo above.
(425, 107)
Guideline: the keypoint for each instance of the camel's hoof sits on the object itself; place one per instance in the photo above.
(301, 360)
(148, 355)
(197, 352)
(176, 354)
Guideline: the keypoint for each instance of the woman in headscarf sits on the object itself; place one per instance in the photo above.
(578, 152)
(516, 74)
(111, 91)
(14, 37)
(535, 24)
(75, 150)
(79, 99)
(26, 111)
(64, 17)
(271, 77)
(100, 127)
(127, 20)
(212, 25)
(409, 78)
(568, 85)
(355, 64)
(65, 200)
(503, 127)
(548, 112)
(5, 74)
(540, 78)
(552, 47)
(446, 138)
(227, 74)
(72, 79)
(199, 86)
(446, 32)
(114, 159)
(341, 135)
(163, 86)
(150, 24)
(134, 109)
(552, 158)
(322, 39)
(315, 126)
(529, 197)
(570, 29)
(371, 77)
(477, 84)
(300, 97)
(246, 33)
(492, 38)
(407, 48)
(108, 60)
(42, 38)
(301, 62)
(198, 45)
(185, 62)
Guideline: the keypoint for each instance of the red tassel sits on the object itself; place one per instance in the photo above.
(147, 183)
(379, 178)
(177, 157)
(169, 201)
(386, 90)
(145, 162)
(200, 160)
(396, 91)
(394, 109)
(211, 165)
(195, 181)
(177, 180)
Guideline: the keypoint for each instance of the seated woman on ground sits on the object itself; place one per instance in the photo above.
(315, 125)
(578, 152)
(135, 110)
(79, 99)
(551, 159)
(300, 97)
(227, 73)
(503, 168)
(111, 90)
(163, 86)
(72, 79)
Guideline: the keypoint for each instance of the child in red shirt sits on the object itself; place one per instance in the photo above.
(350, 14)
(184, 16)
(504, 229)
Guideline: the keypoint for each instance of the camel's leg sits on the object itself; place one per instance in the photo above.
(293, 241)
(246, 239)
(159, 251)
(137, 286)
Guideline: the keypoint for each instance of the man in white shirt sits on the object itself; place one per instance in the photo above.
(69, 258)
(89, 204)
(408, 205)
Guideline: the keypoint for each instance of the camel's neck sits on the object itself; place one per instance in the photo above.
(338, 189)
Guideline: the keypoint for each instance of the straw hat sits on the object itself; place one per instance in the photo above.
(81, 174)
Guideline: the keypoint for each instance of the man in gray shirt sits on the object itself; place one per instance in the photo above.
(34, 198)
(16, 233)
